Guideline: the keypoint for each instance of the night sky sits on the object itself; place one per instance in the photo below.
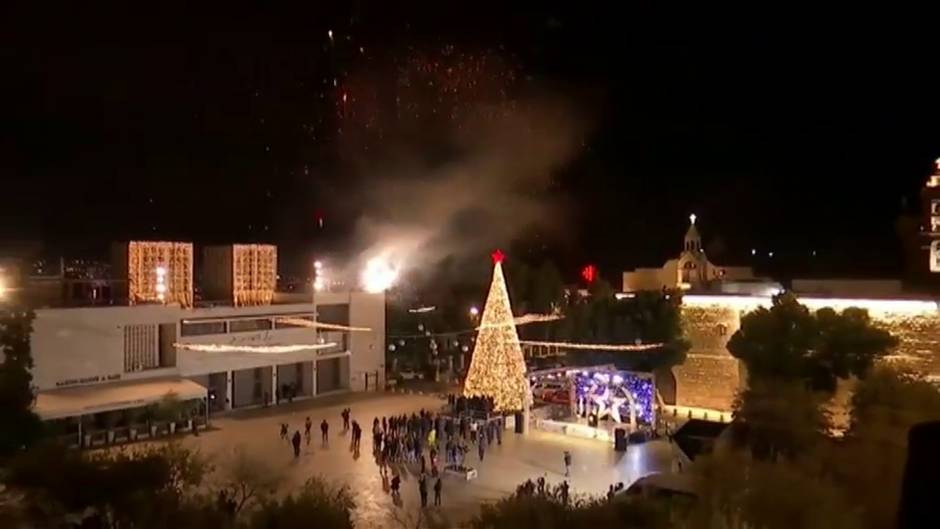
(789, 133)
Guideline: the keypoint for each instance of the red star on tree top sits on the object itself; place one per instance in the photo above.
(497, 256)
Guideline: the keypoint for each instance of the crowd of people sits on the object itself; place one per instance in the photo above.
(296, 439)
(430, 442)
(426, 438)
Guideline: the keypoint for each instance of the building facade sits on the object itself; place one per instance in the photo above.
(710, 376)
(85, 346)
(690, 270)
(715, 298)
(258, 349)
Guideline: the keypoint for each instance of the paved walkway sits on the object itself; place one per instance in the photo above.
(595, 465)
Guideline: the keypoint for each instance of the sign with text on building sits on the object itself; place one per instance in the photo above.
(87, 380)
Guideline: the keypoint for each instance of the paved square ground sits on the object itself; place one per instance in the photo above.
(595, 464)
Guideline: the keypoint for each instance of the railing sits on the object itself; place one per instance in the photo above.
(100, 437)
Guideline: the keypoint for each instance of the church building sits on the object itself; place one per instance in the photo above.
(690, 270)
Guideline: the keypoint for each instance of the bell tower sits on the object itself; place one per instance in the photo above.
(693, 241)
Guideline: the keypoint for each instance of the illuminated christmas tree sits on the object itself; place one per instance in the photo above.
(498, 369)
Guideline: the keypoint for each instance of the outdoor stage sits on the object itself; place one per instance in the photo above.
(577, 429)
(597, 401)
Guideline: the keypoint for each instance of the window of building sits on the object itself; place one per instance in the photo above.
(935, 224)
(935, 256)
(255, 324)
(337, 314)
(257, 386)
(935, 207)
(199, 328)
(140, 348)
(167, 345)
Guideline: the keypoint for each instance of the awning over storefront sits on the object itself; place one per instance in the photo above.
(85, 400)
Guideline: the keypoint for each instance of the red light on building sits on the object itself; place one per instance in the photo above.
(589, 273)
(497, 256)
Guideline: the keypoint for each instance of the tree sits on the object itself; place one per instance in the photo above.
(779, 418)
(647, 317)
(739, 492)
(169, 408)
(788, 342)
(140, 488)
(551, 511)
(19, 426)
(316, 505)
(547, 289)
(497, 368)
(247, 479)
(869, 461)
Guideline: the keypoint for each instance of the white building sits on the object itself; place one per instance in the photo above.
(89, 360)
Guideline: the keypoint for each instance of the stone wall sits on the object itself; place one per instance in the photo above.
(710, 376)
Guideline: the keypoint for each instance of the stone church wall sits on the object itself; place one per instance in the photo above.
(710, 376)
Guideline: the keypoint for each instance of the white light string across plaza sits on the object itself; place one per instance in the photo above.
(300, 322)
(266, 349)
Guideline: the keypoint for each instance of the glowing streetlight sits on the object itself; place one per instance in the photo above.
(474, 311)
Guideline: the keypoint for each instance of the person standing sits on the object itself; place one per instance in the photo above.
(481, 449)
(438, 485)
(296, 442)
(307, 425)
(423, 490)
(325, 430)
(396, 484)
(567, 463)
(345, 415)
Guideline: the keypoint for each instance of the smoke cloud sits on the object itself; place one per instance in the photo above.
(494, 183)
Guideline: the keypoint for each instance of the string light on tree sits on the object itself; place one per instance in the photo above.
(497, 369)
